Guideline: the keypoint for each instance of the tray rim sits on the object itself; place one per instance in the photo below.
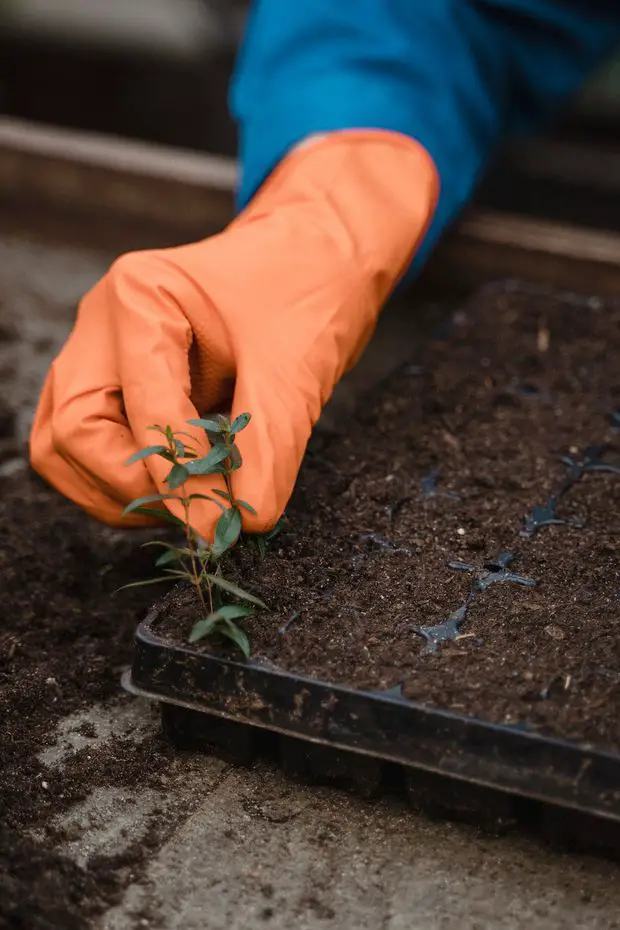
(518, 736)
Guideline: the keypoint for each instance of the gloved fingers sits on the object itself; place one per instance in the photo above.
(71, 481)
(162, 297)
(80, 440)
(90, 432)
(272, 446)
(153, 339)
(88, 424)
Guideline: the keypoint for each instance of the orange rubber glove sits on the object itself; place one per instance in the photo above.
(264, 317)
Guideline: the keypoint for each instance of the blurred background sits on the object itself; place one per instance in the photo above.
(147, 69)
(158, 70)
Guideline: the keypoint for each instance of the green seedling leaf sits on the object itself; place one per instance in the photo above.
(180, 550)
(223, 426)
(208, 464)
(187, 449)
(232, 612)
(261, 545)
(139, 503)
(215, 621)
(240, 423)
(141, 584)
(227, 530)
(246, 506)
(218, 469)
(206, 497)
(194, 557)
(181, 432)
(232, 631)
(158, 542)
(211, 426)
(178, 476)
(202, 629)
(235, 459)
(234, 589)
(173, 555)
(160, 514)
(183, 451)
(145, 454)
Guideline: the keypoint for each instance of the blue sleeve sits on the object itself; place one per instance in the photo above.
(457, 75)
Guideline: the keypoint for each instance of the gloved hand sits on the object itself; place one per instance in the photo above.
(264, 317)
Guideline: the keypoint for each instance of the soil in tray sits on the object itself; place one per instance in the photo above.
(396, 521)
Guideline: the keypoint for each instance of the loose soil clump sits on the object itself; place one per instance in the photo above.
(480, 486)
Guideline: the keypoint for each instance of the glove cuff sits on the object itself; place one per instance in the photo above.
(378, 189)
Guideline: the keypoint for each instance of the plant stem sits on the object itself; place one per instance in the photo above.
(227, 472)
(191, 543)
(199, 561)
(196, 575)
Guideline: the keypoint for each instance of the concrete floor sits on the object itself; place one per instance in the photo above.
(245, 849)
(250, 848)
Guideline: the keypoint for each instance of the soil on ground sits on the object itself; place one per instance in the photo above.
(401, 520)
(64, 638)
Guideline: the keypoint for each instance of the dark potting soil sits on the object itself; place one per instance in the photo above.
(64, 636)
(400, 522)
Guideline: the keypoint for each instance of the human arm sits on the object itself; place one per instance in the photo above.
(410, 99)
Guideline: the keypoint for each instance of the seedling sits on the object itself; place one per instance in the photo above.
(196, 561)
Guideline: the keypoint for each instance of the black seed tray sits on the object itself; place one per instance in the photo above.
(448, 764)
